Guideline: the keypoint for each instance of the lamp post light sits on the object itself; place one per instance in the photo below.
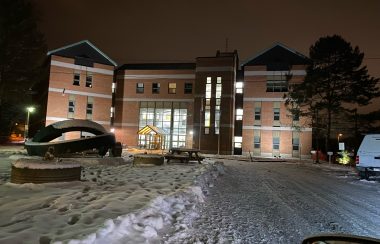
(29, 111)
(339, 136)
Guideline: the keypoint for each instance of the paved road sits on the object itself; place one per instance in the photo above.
(283, 203)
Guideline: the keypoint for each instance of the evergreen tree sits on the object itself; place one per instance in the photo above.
(22, 56)
(335, 78)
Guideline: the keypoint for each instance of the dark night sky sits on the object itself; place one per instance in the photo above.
(181, 30)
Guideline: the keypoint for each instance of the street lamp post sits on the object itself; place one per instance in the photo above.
(339, 135)
(29, 110)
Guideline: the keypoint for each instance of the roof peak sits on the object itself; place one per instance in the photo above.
(64, 48)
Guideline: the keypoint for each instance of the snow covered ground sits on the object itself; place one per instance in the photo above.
(284, 202)
(112, 204)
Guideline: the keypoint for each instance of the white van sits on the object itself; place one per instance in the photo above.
(368, 156)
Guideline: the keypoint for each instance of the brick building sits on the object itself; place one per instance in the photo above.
(80, 85)
(213, 104)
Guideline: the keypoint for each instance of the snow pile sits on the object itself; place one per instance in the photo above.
(110, 202)
(41, 164)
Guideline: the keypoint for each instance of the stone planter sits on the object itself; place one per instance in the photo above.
(148, 159)
(24, 171)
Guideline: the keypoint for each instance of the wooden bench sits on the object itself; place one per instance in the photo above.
(182, 157)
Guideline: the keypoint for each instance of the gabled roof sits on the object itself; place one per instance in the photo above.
(150, 129)
(278, 53)
(83, 49)
(158, 66)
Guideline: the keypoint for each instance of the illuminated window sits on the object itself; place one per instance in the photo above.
(112, 112)
(89, 108)
(218, 99)
(172, 88)
(156, 88)
(139, 87)
(71, 108)
(239, 87)
(89, 79)
(188, 88)
(208, 105)
(239, 114)
(113, 87)
(238, 141)
(76, 81)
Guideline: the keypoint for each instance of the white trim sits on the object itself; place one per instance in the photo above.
(214, 69)
(271, 128)
(263, 99)
(265, 73)
(154, 100)
(62, 119)
(126, 124)
(168, 76)
(80, 67)
(78, 43)
(90, 94)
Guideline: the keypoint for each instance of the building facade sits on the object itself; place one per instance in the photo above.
(214, 104)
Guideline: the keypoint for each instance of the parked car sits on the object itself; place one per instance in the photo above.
(368, 156)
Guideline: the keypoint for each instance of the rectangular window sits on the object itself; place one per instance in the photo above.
(296, 117)
(257, 113)
(89, 79)
(296, 143)
(139, 87)
(113, 87)
(238, 140)
(239, 87)
(208, 105)
(188, 88)
(156, 88)
(276, 140)
(277, 83)
(218, 100)
(256, 142)
(172, 88)
(71, 108)
(76, 81)
(89, 108)
(276, 114)
(239, 114)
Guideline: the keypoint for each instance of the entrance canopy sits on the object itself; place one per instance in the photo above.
(151, 130)
(153, 137)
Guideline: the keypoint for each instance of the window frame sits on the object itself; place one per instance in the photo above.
(140, 87)
(172, 90)
(156, 90)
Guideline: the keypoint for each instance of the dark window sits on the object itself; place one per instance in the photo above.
(156, 88)
(71, 106)
(296, 143)
(89, 80)
(276, 114)
(140, 88)
(276, 143)
(89, 108)
(76, 79)
(277, 83)
(257, 113)
(257, 141)
(172, 88)
(188, 88)
(296, 117)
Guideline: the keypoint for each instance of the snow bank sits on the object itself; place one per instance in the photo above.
(121, 203)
